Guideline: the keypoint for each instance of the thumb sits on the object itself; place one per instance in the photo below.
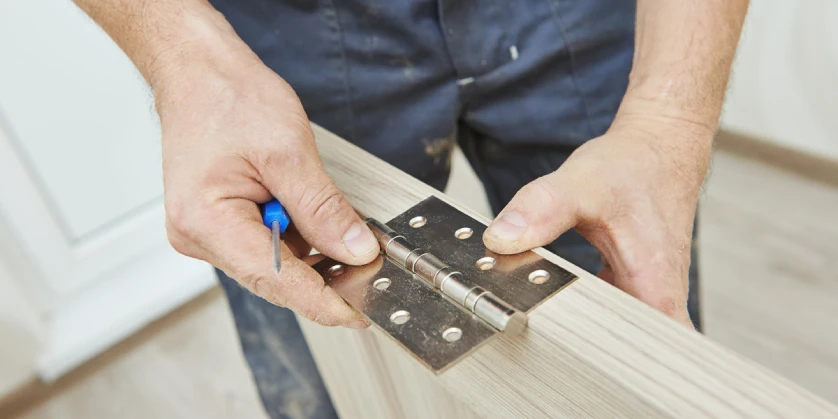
(537, 214)
(318, 208)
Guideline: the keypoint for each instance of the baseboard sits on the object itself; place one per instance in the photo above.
(802, 163)
(141, 292)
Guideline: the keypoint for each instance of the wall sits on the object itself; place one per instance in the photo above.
(784, 85)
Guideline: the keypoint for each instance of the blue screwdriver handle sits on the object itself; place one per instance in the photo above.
(273, 211)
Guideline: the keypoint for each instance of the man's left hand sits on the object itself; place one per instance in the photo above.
(633, 194)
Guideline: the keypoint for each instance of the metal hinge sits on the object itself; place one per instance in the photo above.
(443, 302)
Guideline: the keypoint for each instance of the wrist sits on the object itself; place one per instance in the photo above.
(663, 112)
(203, 53)
(693, 100)
(680, 141)
(668, 125)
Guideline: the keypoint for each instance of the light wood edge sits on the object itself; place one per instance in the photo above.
(589, 351)
(802, 163)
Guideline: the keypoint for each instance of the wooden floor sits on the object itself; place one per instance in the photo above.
(769, 243)
(188, 365)
(770, 269)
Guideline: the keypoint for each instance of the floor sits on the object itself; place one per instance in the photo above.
(770, 290)
(770, 270)
(186, 365)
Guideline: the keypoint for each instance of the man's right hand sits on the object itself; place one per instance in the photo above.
(233, 137)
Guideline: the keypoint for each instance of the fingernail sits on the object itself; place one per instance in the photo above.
(360, 324)
(359, 240)
(509, 226)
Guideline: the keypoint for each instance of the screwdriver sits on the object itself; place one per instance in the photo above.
(276, 219)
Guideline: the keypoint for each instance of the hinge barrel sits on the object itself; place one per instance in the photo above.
(451, 283)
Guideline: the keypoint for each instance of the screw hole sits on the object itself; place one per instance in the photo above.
(400, 317)
(485, 263)
(417, 222)
(381, 284)
(539, 277)
(463, 233)
(336, 270)
(452, 334)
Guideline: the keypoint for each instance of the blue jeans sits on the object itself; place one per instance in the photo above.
(518, 85)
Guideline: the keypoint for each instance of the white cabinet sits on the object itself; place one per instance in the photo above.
(80, 187)
(21, 334)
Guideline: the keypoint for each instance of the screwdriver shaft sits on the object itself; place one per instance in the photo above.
(276, 246)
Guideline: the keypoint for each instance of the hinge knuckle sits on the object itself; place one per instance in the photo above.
(454, 285)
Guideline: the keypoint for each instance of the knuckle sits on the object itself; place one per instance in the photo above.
(535, 187)
(541, 196)
(545, 188)
(257, 284)
(183, 219)
(176, 218)
(269, 160)
(179, 228)
(176, 241)
(288, 149)
(323, 203)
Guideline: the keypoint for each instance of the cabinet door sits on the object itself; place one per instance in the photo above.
(81, 145)
(21, 331)
(80, 185)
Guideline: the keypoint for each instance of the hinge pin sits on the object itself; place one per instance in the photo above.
(450, 282)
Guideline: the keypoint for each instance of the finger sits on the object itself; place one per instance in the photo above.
(295, 241)
(318, 208)
(659, 290)
(635, 263)
(303, 290)
(239, 244)
(537, 214)
(312, 260)
(606, 274)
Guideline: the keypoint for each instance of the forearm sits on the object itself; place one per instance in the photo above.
(683, 53)
(165, 38)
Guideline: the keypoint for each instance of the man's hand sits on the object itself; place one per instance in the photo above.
(235, 135)
(633, 191)
(231, 141)
(633, 194)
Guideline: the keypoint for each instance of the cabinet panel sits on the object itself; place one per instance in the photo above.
(79, 115)
(22, 333)
(81, 215)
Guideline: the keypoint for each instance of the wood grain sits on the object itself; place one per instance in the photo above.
(590, 351)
